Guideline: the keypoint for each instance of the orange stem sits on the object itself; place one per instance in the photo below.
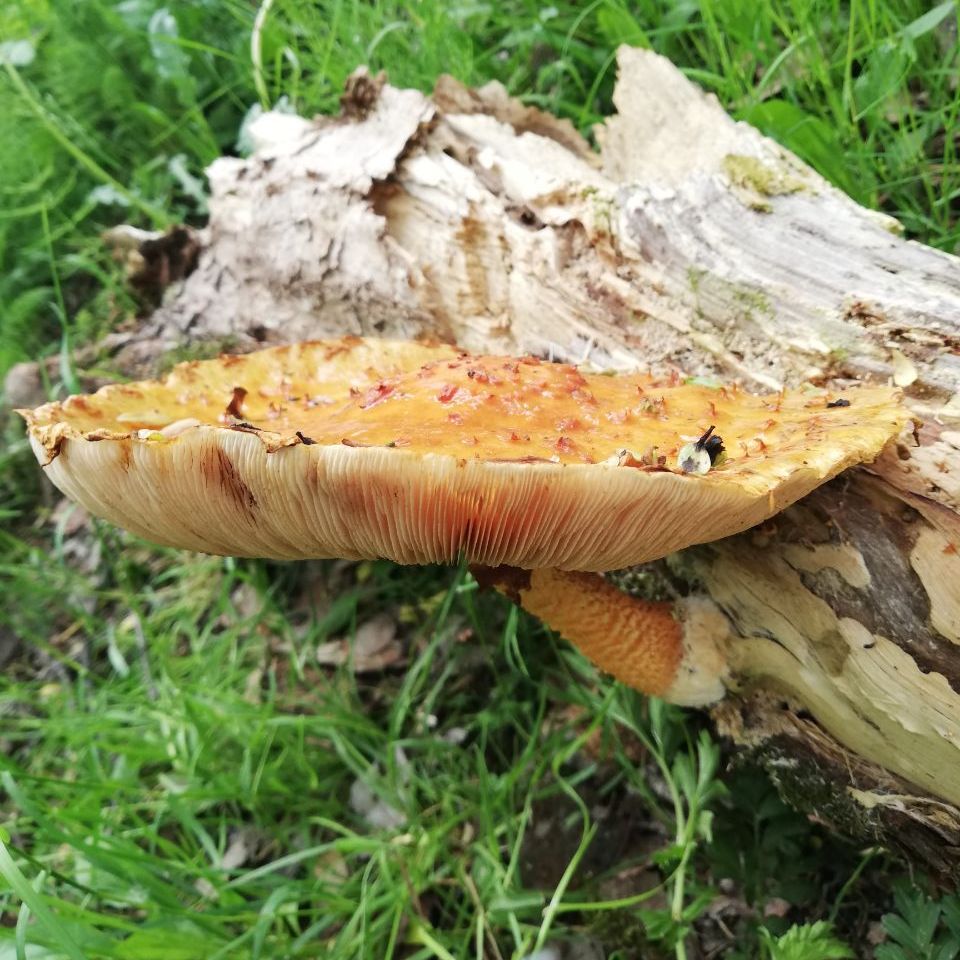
(668, 650)
(638, 642)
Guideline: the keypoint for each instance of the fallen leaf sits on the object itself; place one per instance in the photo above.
(332, 654)
(236, 854)
(776, 907)
(374, 647)
(378, 813)
(374, 636)
(251, 688)
(331, 868)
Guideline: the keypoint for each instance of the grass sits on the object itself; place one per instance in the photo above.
(179, 777)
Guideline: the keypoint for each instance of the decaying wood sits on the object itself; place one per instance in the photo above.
(689, 241)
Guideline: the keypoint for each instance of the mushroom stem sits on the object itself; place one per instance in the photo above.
(673, 651)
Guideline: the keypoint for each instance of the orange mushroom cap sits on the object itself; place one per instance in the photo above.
(362, 448)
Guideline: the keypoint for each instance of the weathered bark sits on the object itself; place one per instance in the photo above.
(689, 241)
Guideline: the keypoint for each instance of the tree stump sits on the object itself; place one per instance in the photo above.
(689, 242)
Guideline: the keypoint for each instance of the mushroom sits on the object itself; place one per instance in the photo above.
(540, 474)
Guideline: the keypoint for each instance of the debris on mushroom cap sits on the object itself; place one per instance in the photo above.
(368, 448)
(700, 455)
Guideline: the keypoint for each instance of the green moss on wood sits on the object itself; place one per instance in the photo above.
(757, 180)
(803, 784)
(198, 350)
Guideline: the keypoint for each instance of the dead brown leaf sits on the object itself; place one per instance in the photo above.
(375, 647)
